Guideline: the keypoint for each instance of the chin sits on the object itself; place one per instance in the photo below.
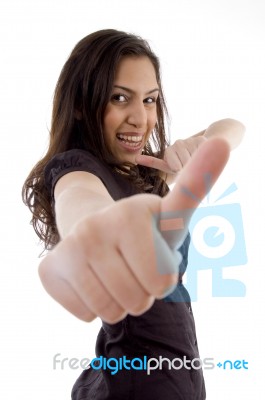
(130, 158)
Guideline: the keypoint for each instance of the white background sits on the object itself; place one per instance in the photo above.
(212, 55)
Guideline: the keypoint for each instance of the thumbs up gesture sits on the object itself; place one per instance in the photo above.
(119, 259)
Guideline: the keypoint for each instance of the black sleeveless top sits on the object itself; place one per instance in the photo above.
(166, 330)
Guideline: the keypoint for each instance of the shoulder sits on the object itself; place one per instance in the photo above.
(84, 161)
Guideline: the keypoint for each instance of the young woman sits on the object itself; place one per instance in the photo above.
(101, 204)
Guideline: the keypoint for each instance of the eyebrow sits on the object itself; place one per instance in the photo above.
(132, 91)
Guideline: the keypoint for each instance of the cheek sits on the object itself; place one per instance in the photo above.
(107, 125)
(111, 121)
(152, 120)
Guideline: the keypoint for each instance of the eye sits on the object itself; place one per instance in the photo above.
(119, 98)
(150, 100)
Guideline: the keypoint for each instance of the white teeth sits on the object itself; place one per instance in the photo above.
(130, 138)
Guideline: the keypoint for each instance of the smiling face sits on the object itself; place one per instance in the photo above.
(131, 113)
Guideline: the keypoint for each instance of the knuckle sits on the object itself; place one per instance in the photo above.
(113, 317)
(164, 283)
(142, 307)
(88, 236)
(84, 228)
(88, 316)
(109, 311)
(128, 215)
(201, 139)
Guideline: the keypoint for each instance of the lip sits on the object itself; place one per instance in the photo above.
(127, 147)
(131, 133)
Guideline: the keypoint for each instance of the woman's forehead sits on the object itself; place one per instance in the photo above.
(136, 71)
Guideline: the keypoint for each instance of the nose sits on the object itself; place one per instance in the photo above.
(137, 115)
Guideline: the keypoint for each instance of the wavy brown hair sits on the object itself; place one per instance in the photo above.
(84, 88)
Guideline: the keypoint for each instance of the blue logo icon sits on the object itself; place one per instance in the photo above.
(217, 242)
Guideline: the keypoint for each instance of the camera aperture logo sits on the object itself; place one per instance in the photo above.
(217, 242)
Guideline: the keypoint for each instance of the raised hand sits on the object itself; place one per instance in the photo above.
(108, 265)
(176, 156)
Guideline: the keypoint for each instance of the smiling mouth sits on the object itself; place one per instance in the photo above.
(132, 141)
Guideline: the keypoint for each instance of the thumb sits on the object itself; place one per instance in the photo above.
(193, 183)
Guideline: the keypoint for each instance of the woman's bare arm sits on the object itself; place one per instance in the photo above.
(228, 129)
(78, 195)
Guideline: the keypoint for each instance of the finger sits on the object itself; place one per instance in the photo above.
(209, 160)
(109, 263)
(193, 183)
(178, 155)
(143, 243)
(152, 162)
(193, 143)
(76, 285)
(60, 290)
(182, 150)
(110, 266)
(96, 296)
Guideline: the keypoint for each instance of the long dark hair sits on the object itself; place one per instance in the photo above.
(84, 88)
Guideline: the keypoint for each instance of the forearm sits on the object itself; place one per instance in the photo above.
(75, 204)
(78, 195)
(229, 129)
